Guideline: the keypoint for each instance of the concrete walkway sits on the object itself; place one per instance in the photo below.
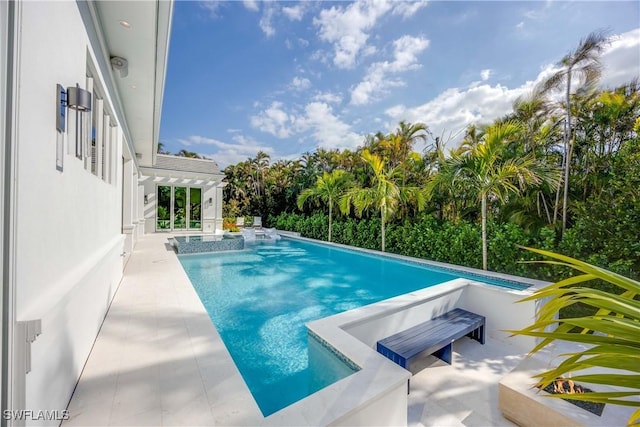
(464, 393)
(158, 360)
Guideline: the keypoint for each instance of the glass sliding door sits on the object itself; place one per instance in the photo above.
(179, 208)
(163, 217)
(195, 208)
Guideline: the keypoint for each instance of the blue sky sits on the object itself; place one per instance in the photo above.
(289, 77)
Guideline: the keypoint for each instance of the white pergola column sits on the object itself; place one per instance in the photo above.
(128, 201)
(218, 201)
(208, 208)
(140, 211)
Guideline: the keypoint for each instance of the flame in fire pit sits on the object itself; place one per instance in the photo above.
(566, 387)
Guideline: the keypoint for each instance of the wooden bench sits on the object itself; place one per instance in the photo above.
(434, 337)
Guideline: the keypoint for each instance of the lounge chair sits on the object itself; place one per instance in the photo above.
(270, 233)
(257, 222)
(240, 222)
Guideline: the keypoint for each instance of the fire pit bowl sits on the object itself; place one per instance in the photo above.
(526, 405)
(569, 387)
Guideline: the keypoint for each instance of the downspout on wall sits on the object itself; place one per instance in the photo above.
(8, 38)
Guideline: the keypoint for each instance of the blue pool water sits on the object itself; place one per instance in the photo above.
(260, 299)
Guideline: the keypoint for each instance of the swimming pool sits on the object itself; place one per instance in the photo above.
(261, 298)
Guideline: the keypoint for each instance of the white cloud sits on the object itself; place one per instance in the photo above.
(409, 8)
(300, 83)
(273, 120)
(225, 153)
(252, 5)
(299, 42)
(328, 97)
(456, 108)
(621, 60)
(266, 24)
(375, 83)
(321, 56)
(378, 80)
(211, 6)
(405, 54)
(294, 13)
(485, 74)
(347, 28)
(327, 129)
(317, 120)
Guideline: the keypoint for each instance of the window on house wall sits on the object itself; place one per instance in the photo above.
(104, 149)
(86, 128)
(113, 143)
(99, 136)
(97, 122)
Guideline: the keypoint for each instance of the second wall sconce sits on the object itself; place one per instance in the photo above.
(73, 97)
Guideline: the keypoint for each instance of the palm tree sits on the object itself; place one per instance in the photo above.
(532, 111)
(384, 194)
(614, 343)
(329, 187)
(479, 166)
(258, 166)
(161, 148)
(399, 145)
(189, 154)
(583, 62)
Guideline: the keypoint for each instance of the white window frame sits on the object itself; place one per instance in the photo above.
(87, 126)
(104, 148)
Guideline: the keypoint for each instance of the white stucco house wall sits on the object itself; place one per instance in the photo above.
(80, 187)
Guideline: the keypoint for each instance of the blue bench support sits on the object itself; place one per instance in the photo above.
(434, 337)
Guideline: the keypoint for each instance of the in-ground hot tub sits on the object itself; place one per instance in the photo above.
(207, 243)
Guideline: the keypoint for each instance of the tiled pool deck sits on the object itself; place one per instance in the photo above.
(158, 360)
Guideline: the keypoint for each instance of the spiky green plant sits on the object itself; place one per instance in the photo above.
(612, 333)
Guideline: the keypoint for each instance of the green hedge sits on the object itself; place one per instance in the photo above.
(429, 238)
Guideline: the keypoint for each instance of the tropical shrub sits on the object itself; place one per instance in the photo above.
(229, 224)
(613, 331)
